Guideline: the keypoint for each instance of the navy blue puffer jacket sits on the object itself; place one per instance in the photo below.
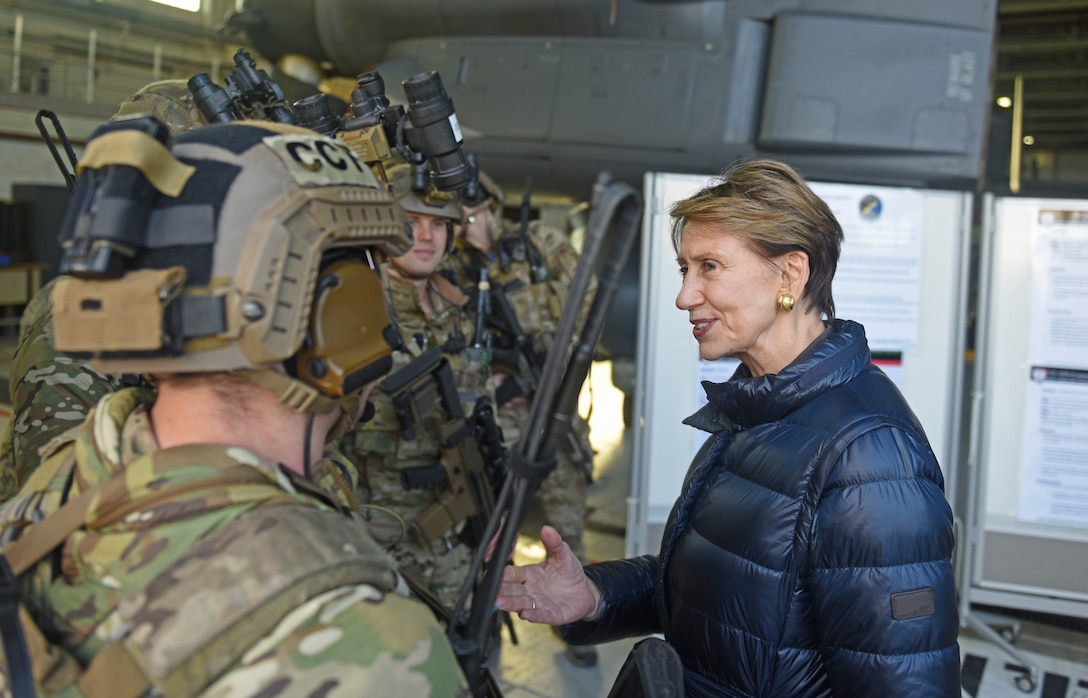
(809, 553)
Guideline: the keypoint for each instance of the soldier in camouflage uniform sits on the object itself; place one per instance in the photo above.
(49, 391)
(395, 487)
(535, 271)
(49, 394)
(172, 545)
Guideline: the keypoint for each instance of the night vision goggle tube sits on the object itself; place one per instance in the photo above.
(369, 105)
(436, 132)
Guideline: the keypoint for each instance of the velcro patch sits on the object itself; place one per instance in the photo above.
(913, 604)
(317, 160)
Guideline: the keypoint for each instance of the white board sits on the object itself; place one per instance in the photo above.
(1031, 433)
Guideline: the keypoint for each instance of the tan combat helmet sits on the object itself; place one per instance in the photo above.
(231, 247)
(416, 194)
(169, 101)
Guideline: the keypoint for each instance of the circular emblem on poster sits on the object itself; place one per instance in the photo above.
(870, 207)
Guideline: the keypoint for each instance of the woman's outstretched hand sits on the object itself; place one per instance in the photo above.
(555, 591)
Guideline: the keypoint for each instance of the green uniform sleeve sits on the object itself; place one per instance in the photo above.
(50, 393)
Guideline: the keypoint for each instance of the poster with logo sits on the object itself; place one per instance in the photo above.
(880, 268)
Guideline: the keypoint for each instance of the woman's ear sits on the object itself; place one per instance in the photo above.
(794, 265)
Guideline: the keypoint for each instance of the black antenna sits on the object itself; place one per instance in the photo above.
(69, 177)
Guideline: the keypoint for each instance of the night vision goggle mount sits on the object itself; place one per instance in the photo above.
(422, 184)
(249, 94)
(427, 132)
(474, 192)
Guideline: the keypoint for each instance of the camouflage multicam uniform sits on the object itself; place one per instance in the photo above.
(538, 306)
(151, 572)
(169, 101)
(50, 391)
(383, 454)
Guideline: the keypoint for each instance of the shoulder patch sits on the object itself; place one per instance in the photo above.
(913, 604)
(315, 160)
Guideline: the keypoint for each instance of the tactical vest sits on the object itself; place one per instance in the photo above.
(179, 654)
(421, 472)
(381, 440)
(537, 295)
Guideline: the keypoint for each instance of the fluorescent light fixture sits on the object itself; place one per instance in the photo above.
(190, 5)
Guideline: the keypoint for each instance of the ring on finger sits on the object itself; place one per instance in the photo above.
(534, 603)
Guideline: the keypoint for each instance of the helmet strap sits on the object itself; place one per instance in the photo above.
(306, 445)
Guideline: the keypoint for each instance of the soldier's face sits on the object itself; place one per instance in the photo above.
(429, 247)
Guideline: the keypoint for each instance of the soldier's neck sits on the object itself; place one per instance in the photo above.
(422, 285)
(251, 417)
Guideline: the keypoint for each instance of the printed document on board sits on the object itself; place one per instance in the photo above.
(1054, 469)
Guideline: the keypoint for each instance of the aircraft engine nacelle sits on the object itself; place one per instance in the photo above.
(844, 90)
(865, 91)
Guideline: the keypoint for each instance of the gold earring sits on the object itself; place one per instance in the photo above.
(785, 302)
